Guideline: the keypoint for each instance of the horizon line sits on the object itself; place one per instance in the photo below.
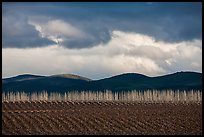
(100, 78)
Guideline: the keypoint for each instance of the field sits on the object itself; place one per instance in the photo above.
(101, 118)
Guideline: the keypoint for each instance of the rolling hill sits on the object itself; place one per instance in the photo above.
(123, 82)
(21, 78)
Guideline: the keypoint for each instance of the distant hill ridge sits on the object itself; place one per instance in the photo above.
(22, 77)
(71, 76)
(122, 82)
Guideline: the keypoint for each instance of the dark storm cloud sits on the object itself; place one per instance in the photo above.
(102, 38)
(16, 32)
(171, 22)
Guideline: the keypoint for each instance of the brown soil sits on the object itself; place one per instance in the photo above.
(101, 118)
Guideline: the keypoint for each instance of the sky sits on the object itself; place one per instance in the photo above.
(101, 39)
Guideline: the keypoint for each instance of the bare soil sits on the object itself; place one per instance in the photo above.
(101, 118)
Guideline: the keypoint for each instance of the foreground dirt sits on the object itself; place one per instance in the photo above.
(101, 118)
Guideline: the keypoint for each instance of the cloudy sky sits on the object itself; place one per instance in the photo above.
(99, 40)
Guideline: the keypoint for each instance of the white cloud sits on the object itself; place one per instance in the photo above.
(56, 30)
(125, 52)
(67, 34)
(57, 27)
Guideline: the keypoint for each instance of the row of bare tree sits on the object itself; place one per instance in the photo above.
(146, 96)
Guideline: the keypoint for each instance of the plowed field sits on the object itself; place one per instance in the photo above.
(101, 118)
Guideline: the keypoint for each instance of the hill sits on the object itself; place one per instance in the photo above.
(21, 78)
(123, 82)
